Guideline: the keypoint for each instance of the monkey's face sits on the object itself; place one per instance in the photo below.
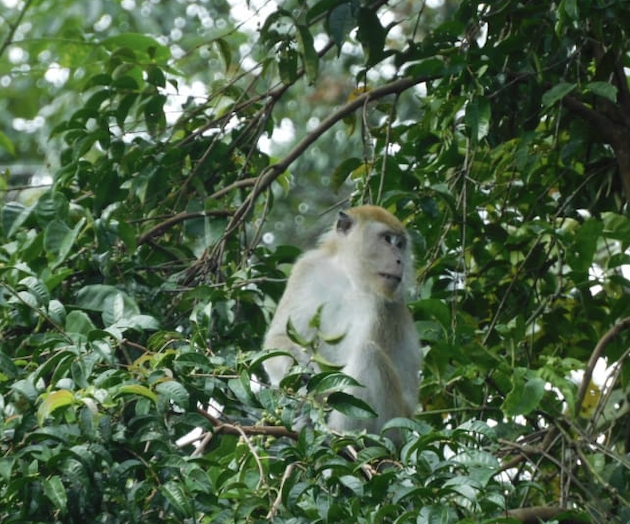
(386, 259)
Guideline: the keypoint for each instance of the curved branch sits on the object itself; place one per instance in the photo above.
(610, 335)
(537, 514)
(233, 429)
(274, 171)
(13, 27)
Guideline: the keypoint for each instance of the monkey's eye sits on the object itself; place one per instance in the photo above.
(393, 239)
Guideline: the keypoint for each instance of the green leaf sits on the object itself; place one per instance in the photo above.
(174, 392)
(570, 7)
(582, 252)
(341, 20)
(93, 296)
(54, 234)
(79, 322)
(225, 51)
(138, 43)
(309, 55)
(54, 401)
(7, 366)
(52, 205)
(372, 35)
(37, 289)
(603, 89)
(477, 118)
(557, 93)
(56, 493)
(350, 405)
(6, 144)
(14, 214)
(319, 9)
(59, 239)
(329, 381)
(344, 170)
(435, 308)
(524, 396)
(175, 494)
(294, 336)
(287, 65)
(137, 389)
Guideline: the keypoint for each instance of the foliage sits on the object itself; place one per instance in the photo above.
(135, 289)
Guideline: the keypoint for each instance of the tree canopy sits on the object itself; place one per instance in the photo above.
(163, 164)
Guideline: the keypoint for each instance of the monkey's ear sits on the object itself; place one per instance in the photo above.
(344, 223)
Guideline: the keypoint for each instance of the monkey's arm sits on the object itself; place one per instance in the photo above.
(298, 304)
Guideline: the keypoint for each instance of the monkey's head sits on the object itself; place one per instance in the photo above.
(375, 247)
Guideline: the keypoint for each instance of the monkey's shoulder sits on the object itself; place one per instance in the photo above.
(317, 271)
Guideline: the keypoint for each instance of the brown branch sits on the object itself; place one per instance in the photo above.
(612, 131)
(552, 432)
(538, 514)
(599, 121)
(233, 429)
(274, 171)
(13, 27)
(610, 335)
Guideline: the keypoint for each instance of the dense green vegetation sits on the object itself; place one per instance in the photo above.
(184, 153)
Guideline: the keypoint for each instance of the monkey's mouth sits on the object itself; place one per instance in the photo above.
(389, 276)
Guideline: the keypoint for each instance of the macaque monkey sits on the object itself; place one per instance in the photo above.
(358, 276)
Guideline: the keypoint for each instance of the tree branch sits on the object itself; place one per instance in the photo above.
(610, 335)
(538, 514)
(233, 429)
(274, 171)
(13, 27)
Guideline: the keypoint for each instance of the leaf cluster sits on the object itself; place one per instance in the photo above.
(135, 288)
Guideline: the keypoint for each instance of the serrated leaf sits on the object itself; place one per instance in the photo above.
(174, 493)
(37, 289)
(56, 493)
(174, 392)
(557, 93)
(51, 206)
(54, 234)
(14, 215)
(54, 401)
